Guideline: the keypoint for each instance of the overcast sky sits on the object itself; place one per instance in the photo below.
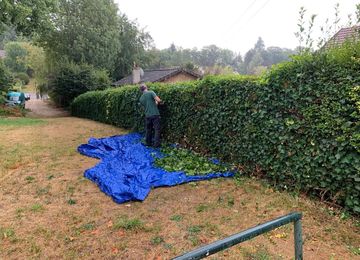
(231, 24)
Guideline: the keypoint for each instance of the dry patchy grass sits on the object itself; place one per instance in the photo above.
(48, 210)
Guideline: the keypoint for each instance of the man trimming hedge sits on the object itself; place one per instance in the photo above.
(149, 100)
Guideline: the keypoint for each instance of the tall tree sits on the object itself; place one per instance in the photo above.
(36, 62)
(259, 45)
(15, 57)
(210, 58)
(85, 31)
(28, 16)
(259, 58)
(8, 34)
(133, 45)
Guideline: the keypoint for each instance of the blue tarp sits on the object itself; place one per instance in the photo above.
(126, 169)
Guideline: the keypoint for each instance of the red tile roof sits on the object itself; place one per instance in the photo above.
(344, 34)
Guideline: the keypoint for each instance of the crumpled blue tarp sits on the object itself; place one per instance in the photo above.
(126, 169)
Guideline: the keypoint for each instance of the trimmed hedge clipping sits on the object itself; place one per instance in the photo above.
(297, 126)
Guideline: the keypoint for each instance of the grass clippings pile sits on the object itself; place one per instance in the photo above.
(180, 159)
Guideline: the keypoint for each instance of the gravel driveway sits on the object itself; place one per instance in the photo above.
(43, 108)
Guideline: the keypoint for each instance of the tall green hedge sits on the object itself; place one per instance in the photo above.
(297, 126)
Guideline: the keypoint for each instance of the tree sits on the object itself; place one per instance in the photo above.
(84, 31)
(274, 55)
(35, 61)
(218, 70)
(256, 61)
(8, 34)
(133, 45)
(70, 80)
(28, 16)
(247, 59)
(259, 58)
(259, 45)
(208, 57)
(15, 57)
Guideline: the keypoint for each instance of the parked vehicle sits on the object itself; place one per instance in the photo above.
(15, 99)
(27, 96)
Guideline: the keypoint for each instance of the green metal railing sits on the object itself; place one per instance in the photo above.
(235, 239)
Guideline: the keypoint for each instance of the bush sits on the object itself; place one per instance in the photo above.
(23, 77)
(2, 100)
(15, 58)
(297, 126)
(70, 80)
(5, 78)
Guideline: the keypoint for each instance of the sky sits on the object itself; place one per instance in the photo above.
(230, 24)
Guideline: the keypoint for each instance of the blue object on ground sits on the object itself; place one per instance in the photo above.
(126, 169)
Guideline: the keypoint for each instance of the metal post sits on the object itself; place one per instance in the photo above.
(298, 240)
(235, 239)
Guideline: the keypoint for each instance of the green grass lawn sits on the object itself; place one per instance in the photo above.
(20, 121)
(48, 210)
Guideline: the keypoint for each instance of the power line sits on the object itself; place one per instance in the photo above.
(226, 33)
(242, 14)
(262, 7)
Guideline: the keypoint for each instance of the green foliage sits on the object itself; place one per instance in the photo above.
(23, 77)
(71, 202)
(7, 34)
(179, 159)
(297, 126)
(355, 138)
(176, 218)
(157, 240)
(128, 223)
(195, 229)
(27, 16)
(15, 57)
(37, 207)
(36, 62)
(133, 43)
(71, 80)
(20, 122)
(5, 78)
(215, 60)
(86, 31)
(259, 58)
(7, 233)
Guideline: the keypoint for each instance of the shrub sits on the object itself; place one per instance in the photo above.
(70, 80)
(2, 100)
(15, 58)
(23, 77)
(5, 78)
(297, 126)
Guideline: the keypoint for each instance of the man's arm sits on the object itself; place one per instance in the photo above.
(157, 100)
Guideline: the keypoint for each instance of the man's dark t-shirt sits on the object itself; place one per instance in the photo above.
(147, 99)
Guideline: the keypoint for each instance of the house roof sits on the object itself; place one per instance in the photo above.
(2, 54)
(348, 33)
(156, 75)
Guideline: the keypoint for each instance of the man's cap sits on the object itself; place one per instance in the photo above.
(142, 87)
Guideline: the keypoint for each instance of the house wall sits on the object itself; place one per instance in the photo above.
(180, 77)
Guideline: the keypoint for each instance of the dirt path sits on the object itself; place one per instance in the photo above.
(43, 108)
